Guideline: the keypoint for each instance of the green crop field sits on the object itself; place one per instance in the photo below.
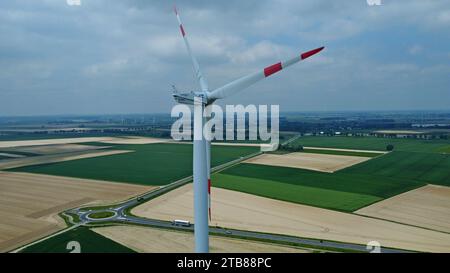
(430, 168)
(412, 164)
(90, 242)
(296, 193)
(152, 164)
(339, 191)
(374, 143)
(444, 149)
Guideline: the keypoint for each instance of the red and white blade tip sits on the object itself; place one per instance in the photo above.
(311, 52)
(175, 9)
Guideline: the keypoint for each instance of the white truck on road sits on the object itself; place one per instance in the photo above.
(182, 223)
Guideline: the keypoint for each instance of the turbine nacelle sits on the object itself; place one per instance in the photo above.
(190, 98)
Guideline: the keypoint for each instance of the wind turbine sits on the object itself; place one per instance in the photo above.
(202, 147)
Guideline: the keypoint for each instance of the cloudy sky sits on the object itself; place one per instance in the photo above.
(122, 56)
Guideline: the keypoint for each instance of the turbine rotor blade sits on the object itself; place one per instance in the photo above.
(246, 81)
(197, 72)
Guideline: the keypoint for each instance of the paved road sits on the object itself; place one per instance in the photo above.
(121, 216)
(314, 243)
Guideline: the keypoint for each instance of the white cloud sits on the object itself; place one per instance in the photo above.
(113, 66)
(415, 49)
(261, 51)
(133, 48)
(398, 68)
(444, 17)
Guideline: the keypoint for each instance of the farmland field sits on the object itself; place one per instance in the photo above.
(309, 161)
(339, 190)
(444, 149)
(16, 153)
(373, 143)
(335, 152)
(429, 168)
(35, 136)
(29, 203)
(319, 197)
(242, 211)
(427, 207)
(412, 164)
(151, 164)
(48, 141)
(50, 149)
(152, 240)
(90, 242)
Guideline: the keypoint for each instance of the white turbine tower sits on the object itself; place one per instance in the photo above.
(202, 160)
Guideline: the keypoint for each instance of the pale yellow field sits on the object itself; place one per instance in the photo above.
(45, 159)
(29, 203)
(150, 240)
(135, 140)
(20, 143)
(310, 161)
(238, 210)
(427, 207)
(262, 145)
(57, 148)
(235, 144)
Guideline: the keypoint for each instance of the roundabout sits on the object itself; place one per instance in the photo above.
(101, 215)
